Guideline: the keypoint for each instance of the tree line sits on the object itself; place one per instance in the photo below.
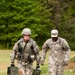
(40, 16)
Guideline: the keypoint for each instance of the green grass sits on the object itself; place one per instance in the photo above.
(5, 62)
(44, 71)
(69, 72)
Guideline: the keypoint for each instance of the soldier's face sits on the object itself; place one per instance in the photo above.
(54, 38)
(26, 37)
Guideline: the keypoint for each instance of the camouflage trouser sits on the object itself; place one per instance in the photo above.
(25, 69)
(55, 69)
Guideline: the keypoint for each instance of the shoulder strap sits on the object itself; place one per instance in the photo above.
(19, 47)
(21, 50)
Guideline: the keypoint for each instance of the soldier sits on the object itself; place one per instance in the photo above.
(25, 51)
(59, 53)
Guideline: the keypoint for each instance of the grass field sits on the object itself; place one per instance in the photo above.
(5, 62)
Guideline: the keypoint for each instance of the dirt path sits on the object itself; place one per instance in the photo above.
(71, 65)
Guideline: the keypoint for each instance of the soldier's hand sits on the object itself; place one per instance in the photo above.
(65, 63)
(37, 66)
(12, 63)
(41, 62)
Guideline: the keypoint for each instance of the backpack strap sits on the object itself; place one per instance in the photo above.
(21, 50)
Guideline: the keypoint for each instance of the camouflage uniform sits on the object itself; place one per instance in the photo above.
(59, 55)
(25, 64)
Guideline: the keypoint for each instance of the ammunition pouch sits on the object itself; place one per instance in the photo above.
(37, 71)
(31, 58)
(28, 58)
(12, 70)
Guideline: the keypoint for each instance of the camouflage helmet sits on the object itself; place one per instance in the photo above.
(26, 31)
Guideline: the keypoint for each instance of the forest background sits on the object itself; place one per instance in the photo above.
(41, 16)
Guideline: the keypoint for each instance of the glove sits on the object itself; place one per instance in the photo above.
(65, 63)
(37, 66)
(42, 62)
(12, 63)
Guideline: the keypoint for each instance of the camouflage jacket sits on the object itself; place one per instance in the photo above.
(59, 50)
(22, 54)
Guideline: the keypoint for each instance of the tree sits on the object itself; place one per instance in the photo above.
(18, 14)
(40, 16)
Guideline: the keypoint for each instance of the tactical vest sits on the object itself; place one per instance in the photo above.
(26, 51)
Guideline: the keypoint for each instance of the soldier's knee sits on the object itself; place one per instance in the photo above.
(20, 72)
